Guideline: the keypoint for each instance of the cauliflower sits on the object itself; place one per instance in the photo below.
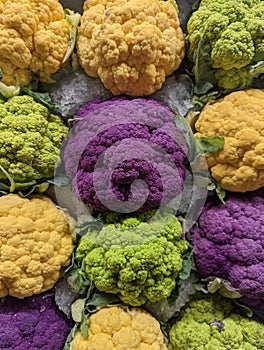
(228, 242)
(117, 328)
(122, 141)
(30, 139)
(226, 42)
(211, 322)
(34, 36)
(35, 244)
(136, 259)
(130, 45)
(32, 323)
(239, 117)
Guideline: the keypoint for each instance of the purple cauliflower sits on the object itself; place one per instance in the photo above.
(228, 242)
(32, 323)
(126, 155)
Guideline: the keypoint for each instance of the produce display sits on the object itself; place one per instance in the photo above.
(131, 174)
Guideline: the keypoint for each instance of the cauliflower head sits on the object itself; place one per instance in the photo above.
(121, 141)
(35, 321)
(35, 244)
(30, 139)
(229, 35)
(136, 259)
(130, 45)
(211, 322)
(239, 117)
(118, 328)
(34, 37)
(228, 242)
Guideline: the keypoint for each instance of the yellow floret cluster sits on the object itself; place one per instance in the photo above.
(130, 45)
(34, 37)
(116, 328)
(239, 117)
(35, 244)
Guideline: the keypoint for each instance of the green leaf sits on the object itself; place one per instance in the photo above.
(187, 264)
(220, 193)
(99, 300)
(202, 100)
(210, 144)
(213, 185)
(183, 124)
(257, 69)
(9, 178)
(203, 71)
(77, 309)
(244, 309)
(41, 97)
(84, 326)
(4, 187)
(9, 91)
(33, 188)
(70, 337)
(223, 287)
(73, 19)
(78, 281)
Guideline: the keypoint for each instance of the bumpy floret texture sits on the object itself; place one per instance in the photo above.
(116, 142)
(239, 117)
(30, 139)
(35, 244)
(116, 328)
(130, 45)
(34, 37)
(32, 323)
(231, 33)
(138, 260)
(212, 323)
(228, 242)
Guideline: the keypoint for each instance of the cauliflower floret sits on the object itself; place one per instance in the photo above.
(35, 244)
(115, 328)
(130, 45)
(239, 117)
(34, 37)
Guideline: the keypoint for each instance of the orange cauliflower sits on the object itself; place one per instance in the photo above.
(239, 117)
(34, 37)
(130, 45)
(114, 328)
(35, 244)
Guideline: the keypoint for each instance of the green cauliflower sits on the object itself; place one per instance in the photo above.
(30, 139)
(226, 42)
(137, 260)
(211, 322)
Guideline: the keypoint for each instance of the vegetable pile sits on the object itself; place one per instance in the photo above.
(131, 175)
